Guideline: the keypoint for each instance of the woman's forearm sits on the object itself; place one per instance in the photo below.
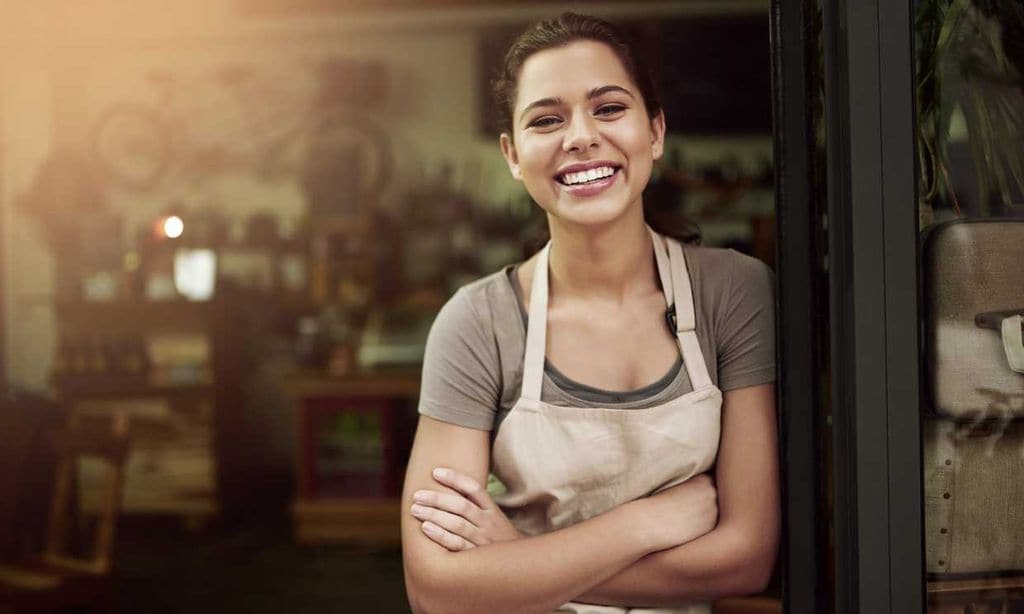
(726, 562)
(536, 574)
(737, 556)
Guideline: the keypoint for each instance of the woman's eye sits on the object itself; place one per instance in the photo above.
(544, 122)
(610, 109)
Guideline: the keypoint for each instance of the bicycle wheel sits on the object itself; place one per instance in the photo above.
(131, 145)
(347, 159)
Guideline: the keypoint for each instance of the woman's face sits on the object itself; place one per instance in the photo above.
(584, 145)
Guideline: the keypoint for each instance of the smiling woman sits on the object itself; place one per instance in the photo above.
(608, 503)
(553, 141)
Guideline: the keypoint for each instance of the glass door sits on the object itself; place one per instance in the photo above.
(908, 431)
(969, 56)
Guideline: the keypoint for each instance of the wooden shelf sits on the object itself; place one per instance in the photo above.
(368, 521)
(119, 317)
(190, 392)
(400, 384)
(104, 387)
(197, 509)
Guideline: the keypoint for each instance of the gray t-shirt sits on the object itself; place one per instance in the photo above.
(473, 365)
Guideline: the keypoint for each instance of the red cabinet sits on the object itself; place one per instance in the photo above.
(354, 436)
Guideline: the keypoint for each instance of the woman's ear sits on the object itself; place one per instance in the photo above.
(508, 149)
(658, 135)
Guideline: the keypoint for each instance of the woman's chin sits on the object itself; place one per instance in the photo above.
(589, 213)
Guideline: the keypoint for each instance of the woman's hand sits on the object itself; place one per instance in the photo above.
(462, 520)
(680, 514)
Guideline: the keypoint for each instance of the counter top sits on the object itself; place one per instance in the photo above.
(311, 383)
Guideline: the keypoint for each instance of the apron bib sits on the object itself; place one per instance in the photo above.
(562, 465)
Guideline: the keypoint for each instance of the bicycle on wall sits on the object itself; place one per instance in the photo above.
(240, 118)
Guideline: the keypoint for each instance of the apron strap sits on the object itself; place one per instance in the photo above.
(664, 268)
(536, 329)
(675, 281)
(686, 321)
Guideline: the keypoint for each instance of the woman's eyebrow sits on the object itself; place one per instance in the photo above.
(543, 102)
(605, 89)
(594, 93)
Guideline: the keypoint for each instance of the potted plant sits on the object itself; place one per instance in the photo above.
(970, 64)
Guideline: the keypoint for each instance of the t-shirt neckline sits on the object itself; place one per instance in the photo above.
(588, 392)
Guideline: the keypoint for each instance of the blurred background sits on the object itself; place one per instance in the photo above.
(225, 229)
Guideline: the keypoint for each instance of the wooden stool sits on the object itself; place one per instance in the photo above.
(56, 579)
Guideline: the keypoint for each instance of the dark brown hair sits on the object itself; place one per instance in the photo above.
(559, 32)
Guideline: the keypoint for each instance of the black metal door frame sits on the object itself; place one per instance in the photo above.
(872, 261)
(799, 268)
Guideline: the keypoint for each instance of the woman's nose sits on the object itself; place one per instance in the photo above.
(581, 135)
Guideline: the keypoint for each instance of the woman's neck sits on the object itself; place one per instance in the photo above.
(613, 262)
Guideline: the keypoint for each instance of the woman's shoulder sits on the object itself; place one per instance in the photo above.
(462, 365)
(486, 289)
(725, 267)
(478, 301)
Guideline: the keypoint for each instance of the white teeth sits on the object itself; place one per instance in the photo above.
(587, 175)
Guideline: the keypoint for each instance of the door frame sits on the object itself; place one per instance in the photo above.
(873, 264)
(801, 294)
(873, 296)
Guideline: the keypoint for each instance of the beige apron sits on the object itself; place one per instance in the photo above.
(561, 465)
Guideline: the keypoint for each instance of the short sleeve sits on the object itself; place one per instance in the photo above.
(745, 326)
(461, 380)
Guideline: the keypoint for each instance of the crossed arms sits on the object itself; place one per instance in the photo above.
(664, 550)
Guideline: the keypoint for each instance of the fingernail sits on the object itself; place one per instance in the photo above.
(441, 473)
(429, 527)
(420, 496)
(417, 510)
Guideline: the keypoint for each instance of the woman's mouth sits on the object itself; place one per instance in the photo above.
(588, 182)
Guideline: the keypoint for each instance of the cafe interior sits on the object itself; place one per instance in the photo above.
(225, 229)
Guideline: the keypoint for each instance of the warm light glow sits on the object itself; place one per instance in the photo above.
(195, 273)
(173, 227)
(132, 260)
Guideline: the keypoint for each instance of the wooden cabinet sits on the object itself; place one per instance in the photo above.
(176, 368)
(354, 437)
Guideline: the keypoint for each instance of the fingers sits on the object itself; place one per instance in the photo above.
(444, 538)
(456, 525)
(464, 484)
(448, 502)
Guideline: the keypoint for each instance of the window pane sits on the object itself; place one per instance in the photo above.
(970, 106)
